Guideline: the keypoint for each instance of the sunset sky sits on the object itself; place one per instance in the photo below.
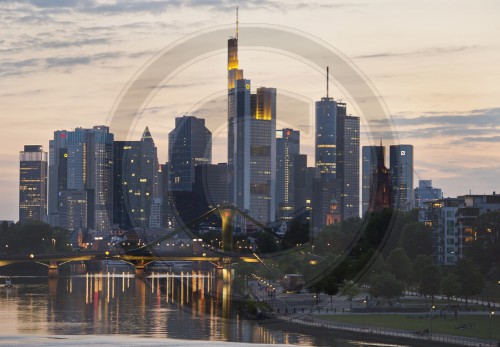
(64, 63)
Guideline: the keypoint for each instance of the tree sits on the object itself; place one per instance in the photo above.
(470, 279)
(416, 239)
(399, 264)
(430, 282)
(330, 287)
(385, 285)
(351, 290)
(421, 262)
(450, 286)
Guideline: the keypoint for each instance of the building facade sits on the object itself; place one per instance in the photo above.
(32, 183)
(401, 166)
(426, 193)
(371, 155)
(135, 182)
(189, 144)
(287, 150)
(81, 161)
(348, 163)
(251, 143)
(326, 137)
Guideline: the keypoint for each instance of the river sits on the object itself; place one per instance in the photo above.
(179, 304)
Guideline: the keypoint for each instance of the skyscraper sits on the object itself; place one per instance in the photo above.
(32, 183)
(337, 157)
(401, 166)
(287, 149)
(251, 142)
(189, 144)
(348, 162)
(370, 157)
(326, 137)
(81, 172)
(135, 182)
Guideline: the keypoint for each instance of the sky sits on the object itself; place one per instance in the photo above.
(64, 64)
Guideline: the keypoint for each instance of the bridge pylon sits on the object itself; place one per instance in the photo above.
(227, 216)
(53, 269)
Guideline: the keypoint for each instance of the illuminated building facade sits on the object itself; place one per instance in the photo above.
(287, 150)
(326, 137)
(251, 142)
(135, 182)
(32, 183)
(401, 164)
(82, 161)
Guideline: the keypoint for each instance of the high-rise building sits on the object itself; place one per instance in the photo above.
(32, 183)
(300, 191)
(337, 157)
(370, 160)
(135, 182)
(287, 149)
(425, 193)
(326, 137)
(81, 161)
(251, 142)
(189, 144)
(210, 187)
(401, 168)
(348, 163)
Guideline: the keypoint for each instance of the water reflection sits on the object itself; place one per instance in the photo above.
(193, 304)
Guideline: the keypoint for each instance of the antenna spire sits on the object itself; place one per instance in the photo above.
(236, 22)
(327, 77)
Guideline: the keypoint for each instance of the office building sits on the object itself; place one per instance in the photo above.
(401, 168)
(135, 182)
(32, 183)
(287, 149)
(347, 163)
(251, 142)
(81, 168)
(326, 137)
(189, 144)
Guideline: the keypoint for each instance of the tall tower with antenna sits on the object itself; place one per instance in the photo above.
(251, 141)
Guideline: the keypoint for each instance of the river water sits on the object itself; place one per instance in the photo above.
(181, 304)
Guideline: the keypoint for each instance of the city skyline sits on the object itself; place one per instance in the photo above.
(448, 126)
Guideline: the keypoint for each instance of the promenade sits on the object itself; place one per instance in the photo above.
(306, 310)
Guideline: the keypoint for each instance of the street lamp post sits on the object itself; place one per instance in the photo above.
(432, 311)
(491, 316)
(53, 245)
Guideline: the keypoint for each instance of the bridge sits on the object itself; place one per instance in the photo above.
(141, 256)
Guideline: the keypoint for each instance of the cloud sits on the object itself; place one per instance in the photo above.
(427, 51)
(475, 139)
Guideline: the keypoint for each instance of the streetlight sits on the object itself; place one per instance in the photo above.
(491, 315)
(432, 310)
(53, 245)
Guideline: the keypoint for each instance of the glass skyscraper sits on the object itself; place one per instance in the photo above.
(401, 169)
(251, 142)
(32, 183)
(189, 144)
(81, 172)
(326, 137)
(348, 163)
(135, 182)
(287, 150)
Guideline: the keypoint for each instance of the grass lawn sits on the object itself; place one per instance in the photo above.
(477, 326)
